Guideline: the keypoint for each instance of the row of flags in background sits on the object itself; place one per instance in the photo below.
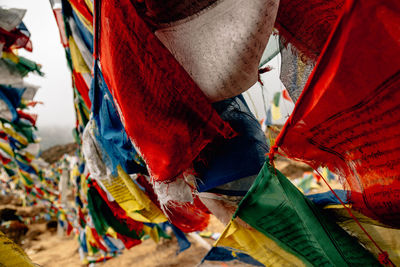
(157, 151)
(111, 211)
(157, 148)
(23, 172)
(19, 148)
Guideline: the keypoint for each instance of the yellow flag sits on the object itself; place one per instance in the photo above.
(260, 247)
(11, 56)
(112, 232)
(6, 148)
(152, 232)
(77, 60)
(11, 254)
(132, 199)
(14, 134)
(89, 240)
(89, 4)
(276, 112)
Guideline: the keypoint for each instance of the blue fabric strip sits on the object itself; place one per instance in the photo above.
(227, 254)
(328, 198)
(227, 160)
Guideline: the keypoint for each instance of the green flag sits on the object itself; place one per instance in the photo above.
(284, 216)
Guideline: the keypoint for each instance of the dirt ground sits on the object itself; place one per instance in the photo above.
(51, 250)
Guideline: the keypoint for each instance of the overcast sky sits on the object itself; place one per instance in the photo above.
(55, 87)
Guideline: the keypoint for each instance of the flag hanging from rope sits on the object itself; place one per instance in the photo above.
(164, 112)
(347, 117)
(278, 226)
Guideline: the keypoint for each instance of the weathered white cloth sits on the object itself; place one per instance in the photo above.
(221, 46)
(11, 18)
(94, 162)
(294, 72)
(9, 74)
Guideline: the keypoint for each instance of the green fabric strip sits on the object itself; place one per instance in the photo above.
(277, 97)
(276, 208)
(27, 179)
(103, 216)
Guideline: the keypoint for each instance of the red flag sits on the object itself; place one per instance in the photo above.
(83, 9)
(98, 241)
(61, 26)
(128, 242)
(188, 217)
(164, 112)
(32, 118)
(82, 88)
(347, 118)
(286, 96)
(307, 24)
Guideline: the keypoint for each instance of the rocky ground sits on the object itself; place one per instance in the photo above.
(53, 154)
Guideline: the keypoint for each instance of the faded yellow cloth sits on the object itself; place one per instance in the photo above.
(152, 232)
(132, 199)
(78, 62)
(14, 134)
(257, 245)
(6, 148)
(11, 56)
(89, 4)
(11, 254)
(276, 112)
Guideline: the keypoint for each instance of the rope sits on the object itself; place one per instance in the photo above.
(383, 256)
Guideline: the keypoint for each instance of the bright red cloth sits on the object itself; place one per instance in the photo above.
(347, 117)
(82, 88)
(82, 8)
(96, 237)
(32, 118)
(164, 112)
(15, 39)
(128, 242)
(307, 24)
(188, 218)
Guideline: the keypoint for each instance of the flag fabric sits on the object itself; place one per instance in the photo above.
(328, 198)
(229, 254)
(388, 239)
(17, 38)
(347, 117)
(121, 187)
(307, 24)
(12, 254)
(294, 71)
(199, 43)
(164, 112)
(12, 98)
(287, 229)
(237, 161)
(109, 131)
(61, 26)
(103, 217)
(83, 11)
